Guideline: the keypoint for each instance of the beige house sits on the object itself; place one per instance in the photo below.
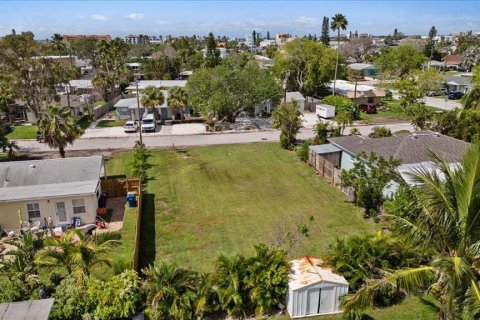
(60, 189)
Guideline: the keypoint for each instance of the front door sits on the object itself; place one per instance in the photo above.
(313, 296)
(61, 212)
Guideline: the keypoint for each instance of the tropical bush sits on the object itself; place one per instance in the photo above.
(302, 150)
(380, 132)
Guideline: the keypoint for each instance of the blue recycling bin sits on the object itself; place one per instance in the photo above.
(132, 200)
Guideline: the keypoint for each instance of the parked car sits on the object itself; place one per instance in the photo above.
(454, 95)
(368, 108)
(148, 123)
(130, 126)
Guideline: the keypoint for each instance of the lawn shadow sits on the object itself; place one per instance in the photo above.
(432, 306)
(148, 236)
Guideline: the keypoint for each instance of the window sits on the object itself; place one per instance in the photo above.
(78, 206)
(33, 210)
(370, 100)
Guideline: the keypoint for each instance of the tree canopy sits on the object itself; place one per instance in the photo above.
(309, 64)
(224, 93)
(400, 61)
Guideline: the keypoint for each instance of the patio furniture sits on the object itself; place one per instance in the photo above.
(100, 222)
(25, 226)
(35, 227)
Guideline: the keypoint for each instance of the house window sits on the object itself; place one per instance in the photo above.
(78, 206)
(370, 100)
(33, 210)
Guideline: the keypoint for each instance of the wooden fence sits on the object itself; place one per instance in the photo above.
(138, 224)
(119, 187)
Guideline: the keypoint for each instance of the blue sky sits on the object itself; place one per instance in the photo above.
(233, 18)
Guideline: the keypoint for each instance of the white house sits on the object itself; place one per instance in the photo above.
(127, 108)
(58, 188)
(313, 289)
(411, 149)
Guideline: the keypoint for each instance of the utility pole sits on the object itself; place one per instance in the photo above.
(138, 111)
(285, 81)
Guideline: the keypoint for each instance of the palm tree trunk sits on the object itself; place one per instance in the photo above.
(61, 150)
(336, 64)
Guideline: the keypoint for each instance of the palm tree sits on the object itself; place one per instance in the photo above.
(152, 97)
(267, 278)
(339, 21)
(103, 82)
(230, 272)
(10, 146)
(171, 291)
(178, 99)
(448, 227)
(58, 128)
(77, 252)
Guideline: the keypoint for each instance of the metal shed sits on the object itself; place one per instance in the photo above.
(313, 289)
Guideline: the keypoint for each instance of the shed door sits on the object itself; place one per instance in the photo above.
(327, 300)
(313, 296)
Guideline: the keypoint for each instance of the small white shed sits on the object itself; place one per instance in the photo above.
(312, 289)
(325, 111)
(297, 96)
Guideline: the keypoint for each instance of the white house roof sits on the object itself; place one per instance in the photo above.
(23, 180)
(345, 86)
(295, 95)
(361, 66)
(81, 83)
(123, 103)
(307, 270)
(158, 83)
(186, 73)
(407, 170)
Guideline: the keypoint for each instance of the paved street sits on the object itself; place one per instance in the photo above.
(160, 141)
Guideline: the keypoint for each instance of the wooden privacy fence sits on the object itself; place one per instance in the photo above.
(138, 224)
(118, 187)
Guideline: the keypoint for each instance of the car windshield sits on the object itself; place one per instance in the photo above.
(147, 121)
(129, 125)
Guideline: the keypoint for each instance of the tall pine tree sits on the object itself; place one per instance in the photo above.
(325, 38)
(212, 56)
(268, 35)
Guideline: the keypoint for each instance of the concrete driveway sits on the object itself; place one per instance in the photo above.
(117, 132)
(442, 104)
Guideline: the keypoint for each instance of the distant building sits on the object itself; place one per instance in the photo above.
(223, 52)
(282, 38)
(266, 42)
(101, 37)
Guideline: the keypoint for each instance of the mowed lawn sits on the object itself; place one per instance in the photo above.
(205, 201)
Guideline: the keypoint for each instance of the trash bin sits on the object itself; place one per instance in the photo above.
(132, 199)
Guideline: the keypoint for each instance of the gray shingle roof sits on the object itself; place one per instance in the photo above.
(409, 148)
(295, 95)
(22, 180)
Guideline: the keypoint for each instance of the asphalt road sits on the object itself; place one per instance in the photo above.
(167, 141)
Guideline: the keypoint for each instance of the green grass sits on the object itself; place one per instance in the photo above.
(84, 123)
(23, 132)
(98, 103)
(124, 252)
(417, 308)
(391, 112)
(111, 123)
(205, 201)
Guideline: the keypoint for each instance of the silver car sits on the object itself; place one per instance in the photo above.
(130, 126)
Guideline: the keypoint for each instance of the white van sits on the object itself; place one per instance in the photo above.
(148, 123)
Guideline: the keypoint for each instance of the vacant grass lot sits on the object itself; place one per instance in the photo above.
(111, 123)
(391, 112)
(411, 308)
(23, 132)
(204, 201)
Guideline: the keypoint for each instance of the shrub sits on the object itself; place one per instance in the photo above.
(380, 132)
(302, 150)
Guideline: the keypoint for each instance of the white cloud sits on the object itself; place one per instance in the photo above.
(98, 17)
(135, 16)
(304, 19)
